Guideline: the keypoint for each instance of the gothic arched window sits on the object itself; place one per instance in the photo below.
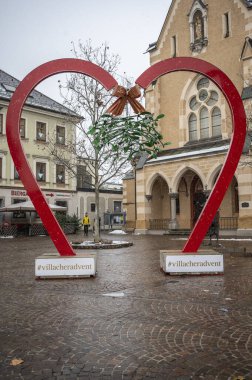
(216, 122)
(204, 123)
(204, 119)
(193, 127)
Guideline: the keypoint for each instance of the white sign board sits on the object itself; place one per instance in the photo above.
(191, 263)
(62, 266)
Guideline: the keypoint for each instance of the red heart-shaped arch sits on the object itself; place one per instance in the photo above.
(12, 130)
(167, 66)
(239, 133)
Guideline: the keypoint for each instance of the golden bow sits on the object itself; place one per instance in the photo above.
(125, 96)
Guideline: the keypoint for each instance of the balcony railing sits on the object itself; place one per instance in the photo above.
(159, 224)
(226, 223)
(229, 223)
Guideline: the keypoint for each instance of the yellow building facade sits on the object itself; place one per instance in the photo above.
(170, 191)
(47, 125)
(43, 121)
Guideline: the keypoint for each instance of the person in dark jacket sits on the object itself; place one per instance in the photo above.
(214, 228)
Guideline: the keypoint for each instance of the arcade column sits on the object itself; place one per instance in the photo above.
(173, 222)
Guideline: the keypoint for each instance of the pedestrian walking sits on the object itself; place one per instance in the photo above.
(86, 224)
(214, 228)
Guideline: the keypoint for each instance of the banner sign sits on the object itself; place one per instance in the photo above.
(190, 263)
(55, 266)
(18, 193)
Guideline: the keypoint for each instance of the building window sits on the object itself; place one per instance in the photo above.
(60, 174)
(16, 175)
(194, 104)
(41, 171)
(117, 206)
(193, 127)
(203, 104)
(84, 179)
(204, 123)
(1, 168)
(19, 214)
(61, 204)
(226, 25)
(41, 131)
(92, 207)
(203, 83)
(216, 122)
(22, 128)
(173, 46)
(60, 135)
(213, 99)
(1, 123)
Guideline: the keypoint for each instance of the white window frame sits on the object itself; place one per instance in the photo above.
(3, 157)
(25, 119)
(114, 205)
(42, 161)
(46, 131)
(61, 126)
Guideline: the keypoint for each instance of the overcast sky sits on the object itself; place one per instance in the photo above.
(34, 32)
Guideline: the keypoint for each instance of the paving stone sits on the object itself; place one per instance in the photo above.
(163, 328)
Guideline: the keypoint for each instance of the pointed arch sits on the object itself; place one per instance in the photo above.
(151, 180)
(181, 171)
(211, 177)
(189, 86)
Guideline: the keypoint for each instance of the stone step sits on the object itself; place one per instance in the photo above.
(178, 232)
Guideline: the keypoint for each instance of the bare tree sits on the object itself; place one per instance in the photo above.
(88, 99)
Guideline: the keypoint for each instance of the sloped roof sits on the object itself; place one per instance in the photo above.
(153, 45)
(36, 99)
(196, 148)
(248, 3)
(129, 175)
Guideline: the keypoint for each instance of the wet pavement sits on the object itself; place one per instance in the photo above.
(147, 326)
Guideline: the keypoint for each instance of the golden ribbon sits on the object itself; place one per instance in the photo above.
(125, 96)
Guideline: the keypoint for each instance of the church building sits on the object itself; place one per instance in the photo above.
(169, 192)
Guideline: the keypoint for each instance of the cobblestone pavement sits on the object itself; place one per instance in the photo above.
(164, 327)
